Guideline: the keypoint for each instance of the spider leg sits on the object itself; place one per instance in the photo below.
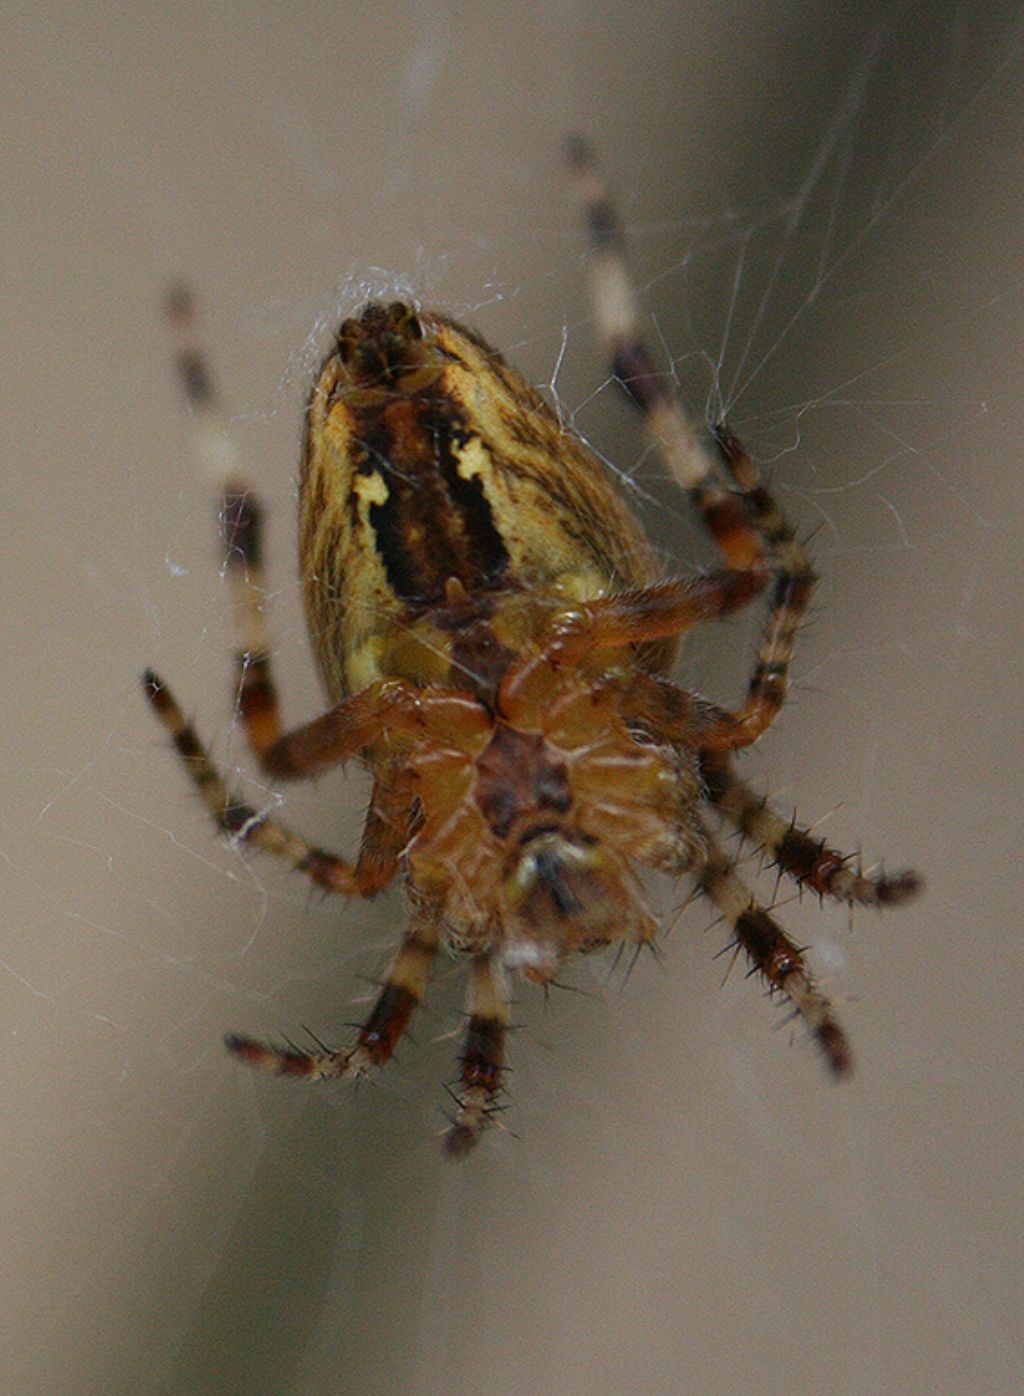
(386, 829)
(666, 425)
(382, 840)
(806, 859)
(749, 529)
(384, 710)
(655, 612)
(794, 583)
(771, 953)
(668, 608)
(719, 729)
(377, 1038)
(483, 1054)
(241, 527)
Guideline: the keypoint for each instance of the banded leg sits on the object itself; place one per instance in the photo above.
(666, 425)
(772, 954)
(749, 529)
(241, 524)
(382, 841)
(719, 729)
(389, 1018)
(809, 861)
(483, 1055)
(794, 582)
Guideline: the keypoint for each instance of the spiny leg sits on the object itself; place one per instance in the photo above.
(241, 524)
(388, 1020)
(378, 859)
(806, 859)
(794, 583)
(771, 953)
(483, 1055)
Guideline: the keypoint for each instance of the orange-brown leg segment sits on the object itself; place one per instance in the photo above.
(377, 1039)
(806, 859)
(385, 709)
(653, 613)
(656, 612)
(386, 830)
(772, 954)
(483, 1055)
(378, 860)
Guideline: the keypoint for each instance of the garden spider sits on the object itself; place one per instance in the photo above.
(493, 634)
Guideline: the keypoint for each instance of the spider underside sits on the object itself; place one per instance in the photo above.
(494, 636)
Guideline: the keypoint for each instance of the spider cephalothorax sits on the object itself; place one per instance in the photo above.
(494, 634)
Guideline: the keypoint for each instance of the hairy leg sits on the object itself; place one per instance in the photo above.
(771, 953)
(806, 859)
(651, 613)
(377, 1038)
(483, 1055)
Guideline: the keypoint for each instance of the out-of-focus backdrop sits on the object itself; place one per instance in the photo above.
(824, 210)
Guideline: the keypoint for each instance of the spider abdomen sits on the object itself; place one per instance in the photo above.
(429, 461)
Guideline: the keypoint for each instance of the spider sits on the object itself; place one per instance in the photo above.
(494, 635)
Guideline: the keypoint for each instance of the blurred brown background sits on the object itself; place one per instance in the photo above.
(824, 207)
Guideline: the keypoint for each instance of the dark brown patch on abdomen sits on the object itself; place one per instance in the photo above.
(434, 524)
